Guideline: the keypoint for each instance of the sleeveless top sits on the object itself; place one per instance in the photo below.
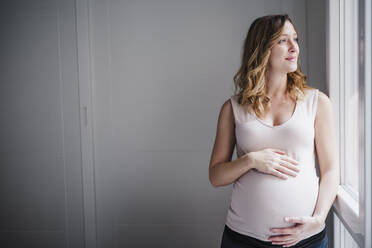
(260, 201)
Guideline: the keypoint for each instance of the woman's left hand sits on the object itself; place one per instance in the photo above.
(306, 226)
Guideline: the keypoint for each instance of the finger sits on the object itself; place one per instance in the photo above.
(283, 243)
(289, 159)
(285, 170)
(290, 244)
(278, 174)
(286, 230)
(289, 166)
(279, 151)
(300, 220)
(281, 238)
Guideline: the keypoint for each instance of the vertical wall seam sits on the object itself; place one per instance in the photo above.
(75, 2)
(91, 103)
(60, 83)
(307, 40)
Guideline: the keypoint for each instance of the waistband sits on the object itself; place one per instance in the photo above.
(253, 242)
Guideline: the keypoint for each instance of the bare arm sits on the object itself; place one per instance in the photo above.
(223, 171)
(325, 142)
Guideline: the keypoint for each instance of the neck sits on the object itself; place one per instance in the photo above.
(276, 85)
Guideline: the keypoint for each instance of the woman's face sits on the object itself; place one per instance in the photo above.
(284, 54)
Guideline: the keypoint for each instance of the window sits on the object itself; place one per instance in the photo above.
(349, 79)
(349, 96)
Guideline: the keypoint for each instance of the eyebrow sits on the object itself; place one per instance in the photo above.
(287, 34)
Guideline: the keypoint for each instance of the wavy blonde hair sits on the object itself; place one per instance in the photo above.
(250, 80)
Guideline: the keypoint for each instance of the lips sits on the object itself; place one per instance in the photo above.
(291, 58)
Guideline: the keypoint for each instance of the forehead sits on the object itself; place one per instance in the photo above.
(288, 29)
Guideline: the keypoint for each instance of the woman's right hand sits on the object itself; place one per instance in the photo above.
(274, 162)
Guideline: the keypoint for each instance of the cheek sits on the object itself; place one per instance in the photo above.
(277, 56)
(297, 48)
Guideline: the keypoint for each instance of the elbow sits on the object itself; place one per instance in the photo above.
(213, 181)
(216, 184)
(215, 178)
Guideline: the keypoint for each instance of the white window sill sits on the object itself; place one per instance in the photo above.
(347, 210)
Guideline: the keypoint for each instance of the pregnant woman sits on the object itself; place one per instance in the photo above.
(276, 122)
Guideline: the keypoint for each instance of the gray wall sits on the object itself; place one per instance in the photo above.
(40, 161)
(160, 73)
(315, 33)
(316, 41)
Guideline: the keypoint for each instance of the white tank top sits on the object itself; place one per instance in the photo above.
(261, 201)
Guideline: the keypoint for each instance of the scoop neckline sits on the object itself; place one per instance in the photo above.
(281, 125)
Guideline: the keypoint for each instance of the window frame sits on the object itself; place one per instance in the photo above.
(354, 214)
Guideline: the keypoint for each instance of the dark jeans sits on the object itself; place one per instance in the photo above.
(232, 239)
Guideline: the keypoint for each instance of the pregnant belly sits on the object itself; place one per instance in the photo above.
(260, 201)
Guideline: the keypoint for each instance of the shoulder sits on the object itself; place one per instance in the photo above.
(226, 121)
(322, 97)
(226, 104)
(323, 100)
(324, 107)
(318, 96)
(230, 105)
(226, 109)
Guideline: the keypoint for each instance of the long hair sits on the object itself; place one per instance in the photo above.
(250, 80)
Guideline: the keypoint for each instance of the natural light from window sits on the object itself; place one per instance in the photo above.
(349, 88)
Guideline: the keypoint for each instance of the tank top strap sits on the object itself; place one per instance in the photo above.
(311, 103)
(241, 114)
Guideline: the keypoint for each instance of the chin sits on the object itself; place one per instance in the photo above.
(292, 69)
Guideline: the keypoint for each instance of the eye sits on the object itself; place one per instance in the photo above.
(296, 39)
(280, 41)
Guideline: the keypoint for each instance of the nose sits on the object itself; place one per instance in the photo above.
(293, 46)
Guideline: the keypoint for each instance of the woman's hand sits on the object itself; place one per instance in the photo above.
(274, 162)
(305, 227)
